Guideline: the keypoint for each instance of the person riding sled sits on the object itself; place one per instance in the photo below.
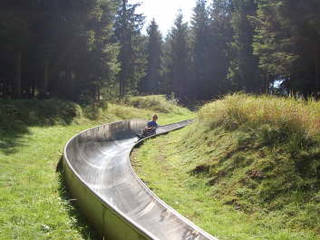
(151, 127)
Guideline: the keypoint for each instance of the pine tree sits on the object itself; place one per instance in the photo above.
(128, 33)
(178, 58)
(220, 33)
(152, 81)
(200, 49)
(287, 43)
(244, 71)
(275, 56)
(103, 52)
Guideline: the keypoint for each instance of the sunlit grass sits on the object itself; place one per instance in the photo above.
(33, 201)
(165, 165)
(234, 110)
(156, 103)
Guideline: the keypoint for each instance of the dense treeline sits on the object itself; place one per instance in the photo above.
(61, 48)
(255, 46)
(83, 50)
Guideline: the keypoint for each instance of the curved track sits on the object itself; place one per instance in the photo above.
(99, 175)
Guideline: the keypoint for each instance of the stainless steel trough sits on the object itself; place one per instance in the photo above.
(99, 175)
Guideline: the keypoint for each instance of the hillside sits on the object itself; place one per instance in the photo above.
(257, 156)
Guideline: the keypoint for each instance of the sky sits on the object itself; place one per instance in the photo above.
(165, 11)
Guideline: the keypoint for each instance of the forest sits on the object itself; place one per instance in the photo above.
(88, 50)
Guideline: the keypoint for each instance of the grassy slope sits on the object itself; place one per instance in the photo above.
(33, 201)
(247, 169)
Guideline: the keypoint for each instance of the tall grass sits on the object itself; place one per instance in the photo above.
(261, 154)
(166, 165)
(295, 115)
(156, 103)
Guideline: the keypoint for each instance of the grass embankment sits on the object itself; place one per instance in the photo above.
(248, 168)
(33, 201)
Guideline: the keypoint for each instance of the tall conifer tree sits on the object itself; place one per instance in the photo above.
(178, 59)
(128, 34)
(152, 81)
(244, 71)
(288, 43)
(220, 37)
(200, 49)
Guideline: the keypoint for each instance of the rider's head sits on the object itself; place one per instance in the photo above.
(155, 117)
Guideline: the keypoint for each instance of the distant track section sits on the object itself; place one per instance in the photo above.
(99, 175)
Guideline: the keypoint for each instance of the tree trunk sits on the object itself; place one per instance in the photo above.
(33, 88)
(267, 82)
(317, 74)
(98, 93)
(45, 78)
(121, 88)
(69, 85)
(17, 86)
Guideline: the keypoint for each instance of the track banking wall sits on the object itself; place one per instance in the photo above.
(99, 176)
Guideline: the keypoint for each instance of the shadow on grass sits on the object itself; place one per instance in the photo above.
(10, 140)
(16, 116)
(81, 224)
(192, 104)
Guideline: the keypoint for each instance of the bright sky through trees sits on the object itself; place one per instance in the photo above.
(165, 11)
